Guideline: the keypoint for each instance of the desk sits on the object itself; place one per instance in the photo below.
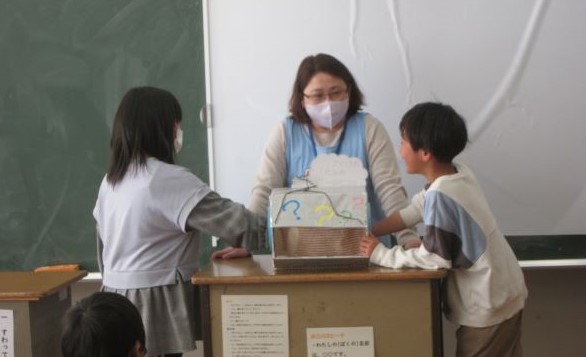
(38, 302)
(402, 306)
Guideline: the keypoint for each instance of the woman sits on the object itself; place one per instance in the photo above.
(326, 118)
(150, 213)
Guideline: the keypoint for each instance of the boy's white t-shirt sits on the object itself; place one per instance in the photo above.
(485, 284)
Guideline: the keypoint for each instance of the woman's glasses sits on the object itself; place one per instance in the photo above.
(334, 95)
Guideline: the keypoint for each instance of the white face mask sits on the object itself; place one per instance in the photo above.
(328, 114)
(178, 143)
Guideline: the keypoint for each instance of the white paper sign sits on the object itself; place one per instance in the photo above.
(340, 342)
(6, 333)
(255, 325)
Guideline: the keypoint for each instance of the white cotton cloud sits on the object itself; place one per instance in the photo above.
(333, 170)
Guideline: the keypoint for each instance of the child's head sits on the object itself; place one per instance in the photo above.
(435, 128)
(145, 125)
(103, 325)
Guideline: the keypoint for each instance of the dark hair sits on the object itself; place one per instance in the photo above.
(102, 325)
(143, 126)
(309, 67)
(436, 128)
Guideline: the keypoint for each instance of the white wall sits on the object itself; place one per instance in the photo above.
(515, 70)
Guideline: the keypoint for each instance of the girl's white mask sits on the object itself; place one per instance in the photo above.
(329, 113)
(178, 143)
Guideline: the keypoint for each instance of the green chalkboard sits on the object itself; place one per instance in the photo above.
(549, 247)
(64, 66)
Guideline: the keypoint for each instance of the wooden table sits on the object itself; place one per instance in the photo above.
(402, 306)
(38, 302)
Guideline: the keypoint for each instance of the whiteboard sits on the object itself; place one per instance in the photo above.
(515, 70)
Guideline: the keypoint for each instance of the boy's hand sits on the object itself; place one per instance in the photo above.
(230, 252)
(367, 244)
(412, 243)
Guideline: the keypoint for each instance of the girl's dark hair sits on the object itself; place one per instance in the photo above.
(144, 126)
(102, 325)
(310, 66)
(436, 128)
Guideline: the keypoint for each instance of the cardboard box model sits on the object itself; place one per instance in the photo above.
(318, 228)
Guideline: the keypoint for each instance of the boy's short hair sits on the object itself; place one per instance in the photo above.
(102, 324)
(436, 128)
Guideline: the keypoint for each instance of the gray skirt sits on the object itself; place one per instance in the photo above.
(169, 314)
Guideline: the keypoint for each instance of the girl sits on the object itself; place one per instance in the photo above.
(150, 213)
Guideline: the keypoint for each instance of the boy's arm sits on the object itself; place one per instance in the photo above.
(405, 218)
(393, 224)
(398, 258)
(389, 225)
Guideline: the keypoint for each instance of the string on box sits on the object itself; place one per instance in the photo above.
(310, 187)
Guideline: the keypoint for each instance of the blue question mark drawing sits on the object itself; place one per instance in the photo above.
(297, 205)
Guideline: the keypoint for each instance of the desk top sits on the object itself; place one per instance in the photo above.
(259, 269)
(35, 286)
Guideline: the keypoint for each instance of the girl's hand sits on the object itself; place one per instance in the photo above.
(230, 252)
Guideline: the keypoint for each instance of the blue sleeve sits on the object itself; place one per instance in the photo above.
(450, 231)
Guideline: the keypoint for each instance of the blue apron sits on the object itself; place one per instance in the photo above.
(301, 150)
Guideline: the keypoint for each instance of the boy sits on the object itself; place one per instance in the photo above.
(103, 324)
(485, 292)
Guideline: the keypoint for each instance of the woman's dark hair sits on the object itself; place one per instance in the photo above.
(144, 126)
(102, 325)
(309, 67)
(436, 128)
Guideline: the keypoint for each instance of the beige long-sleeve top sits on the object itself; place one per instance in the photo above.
(383, 169)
